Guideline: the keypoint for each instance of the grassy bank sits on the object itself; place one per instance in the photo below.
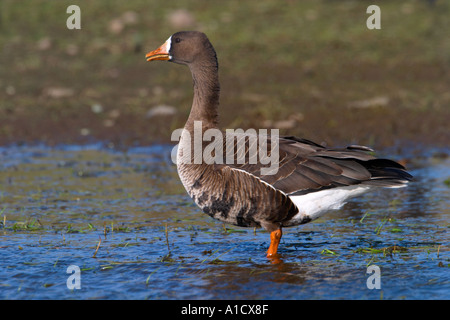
(310, 68)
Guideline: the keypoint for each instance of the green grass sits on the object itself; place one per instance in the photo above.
(311, 58)
(28, 225)
(447, 182)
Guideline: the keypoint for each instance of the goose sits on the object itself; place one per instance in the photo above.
(310, 179)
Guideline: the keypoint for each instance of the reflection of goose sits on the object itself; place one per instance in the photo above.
(310, 180)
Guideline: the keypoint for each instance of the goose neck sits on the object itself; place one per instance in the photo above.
(206, 96)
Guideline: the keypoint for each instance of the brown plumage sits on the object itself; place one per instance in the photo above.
(308, 181)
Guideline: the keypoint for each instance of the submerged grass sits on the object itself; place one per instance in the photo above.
(28, 225)
(159, 240)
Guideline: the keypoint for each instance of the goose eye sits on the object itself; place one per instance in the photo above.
(177, 40)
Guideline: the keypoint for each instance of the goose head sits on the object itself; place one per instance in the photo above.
(185, 47)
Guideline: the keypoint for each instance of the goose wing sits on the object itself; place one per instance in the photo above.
(303, 166)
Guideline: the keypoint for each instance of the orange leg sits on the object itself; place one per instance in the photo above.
(275, 237)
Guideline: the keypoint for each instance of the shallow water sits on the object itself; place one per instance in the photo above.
(58, 204)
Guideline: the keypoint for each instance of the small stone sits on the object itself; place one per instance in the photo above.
(58, 92)
(370, 103)
(44, 44)
(85, 131)
(161, 110)
(97, 108)
(10, 90)
(116, 26)
(181, 18)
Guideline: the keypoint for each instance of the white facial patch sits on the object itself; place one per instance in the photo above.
(168, 44)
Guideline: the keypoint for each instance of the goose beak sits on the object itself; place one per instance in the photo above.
(162, 53)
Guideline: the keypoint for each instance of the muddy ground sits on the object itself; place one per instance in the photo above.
(312, 69)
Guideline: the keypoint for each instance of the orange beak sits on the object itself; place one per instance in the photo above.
(162, 53)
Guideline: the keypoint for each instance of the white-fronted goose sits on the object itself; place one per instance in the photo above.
(310, 180)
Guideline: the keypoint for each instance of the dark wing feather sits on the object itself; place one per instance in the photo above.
(305, 166)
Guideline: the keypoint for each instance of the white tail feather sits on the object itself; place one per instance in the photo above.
(315, 204)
